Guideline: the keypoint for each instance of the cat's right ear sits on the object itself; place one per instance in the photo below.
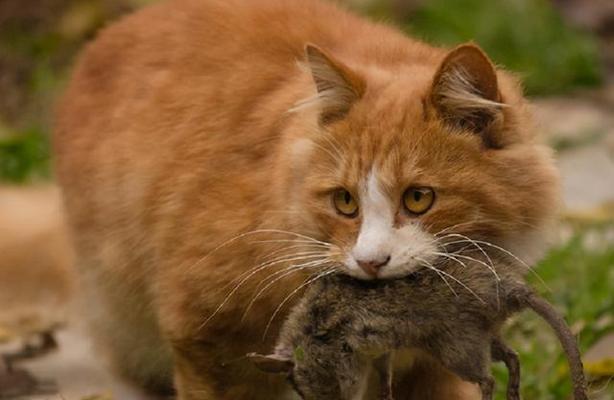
(272, 363)
(337, 85)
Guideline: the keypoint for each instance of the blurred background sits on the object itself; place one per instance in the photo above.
(563, 50)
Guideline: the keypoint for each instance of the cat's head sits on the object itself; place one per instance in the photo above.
(395, 167)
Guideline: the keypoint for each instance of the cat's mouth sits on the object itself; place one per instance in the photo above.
(382, 272)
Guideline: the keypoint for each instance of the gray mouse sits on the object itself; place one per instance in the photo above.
(344, 327)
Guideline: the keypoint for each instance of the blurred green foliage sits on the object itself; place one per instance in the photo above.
(525, 36)
(24, 157)
(38, 41)
(579, 279)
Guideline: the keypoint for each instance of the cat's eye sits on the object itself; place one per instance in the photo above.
(418, 200)
(344, 203)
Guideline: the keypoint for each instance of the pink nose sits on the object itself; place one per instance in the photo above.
(372, 267)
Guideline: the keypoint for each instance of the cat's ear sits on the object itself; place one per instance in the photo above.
(272, 363)
(465, 92)
(337, 85)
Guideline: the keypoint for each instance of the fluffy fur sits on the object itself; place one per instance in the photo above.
(185, 163)
(343, 329)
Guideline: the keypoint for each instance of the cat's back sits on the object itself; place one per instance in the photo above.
(186, 100)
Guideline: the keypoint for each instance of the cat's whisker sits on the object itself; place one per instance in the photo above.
(286, 272)
(475, 244)
(509, 253)
(309, 281)
(305, 242)
(460, 283)
(274, 274)
(307, 252)
(254, 232)
(491, 268)
(305, 247)
(453, 226)
(269, 258)
(438, 272)
(456, 254)
(241, 236)
(240, 284)
(298, 235)
(487, 220)
(269, 263)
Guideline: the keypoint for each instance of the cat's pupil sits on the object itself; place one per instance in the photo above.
(347, 198)
(417, 195)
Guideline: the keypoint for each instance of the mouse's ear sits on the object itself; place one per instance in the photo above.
(272, 363)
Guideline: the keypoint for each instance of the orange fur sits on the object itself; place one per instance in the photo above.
(175, 135)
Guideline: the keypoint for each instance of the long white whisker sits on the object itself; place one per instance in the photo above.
(515, 257)
(240, 284)
(310, 242)
(494, 272)
(455, 255)
(288, 297)
(438, 272)
(475, 244)
(270, 262)
(321, 254)
(455, 280)
(285, 272)
(254, 232)
(286, 249)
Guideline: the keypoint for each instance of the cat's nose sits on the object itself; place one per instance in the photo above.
(372, 266)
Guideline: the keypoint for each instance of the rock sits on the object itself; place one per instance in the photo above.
(36, 268)
(599, 359)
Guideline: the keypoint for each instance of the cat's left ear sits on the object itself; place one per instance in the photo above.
(465, 91)
(272, 363)
(338, 86)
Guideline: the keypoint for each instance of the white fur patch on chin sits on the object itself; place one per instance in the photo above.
(412, 249)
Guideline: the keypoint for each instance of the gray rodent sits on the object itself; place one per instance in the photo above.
(343, 327)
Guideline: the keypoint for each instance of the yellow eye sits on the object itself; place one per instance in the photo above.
(345, 203)
(418, 200)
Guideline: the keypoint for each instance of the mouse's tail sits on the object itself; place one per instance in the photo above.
(567, 339)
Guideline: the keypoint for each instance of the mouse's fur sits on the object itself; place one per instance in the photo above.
(344, 327)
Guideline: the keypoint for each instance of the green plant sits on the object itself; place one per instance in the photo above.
(24, 157)
(525, 36)
(579, 281)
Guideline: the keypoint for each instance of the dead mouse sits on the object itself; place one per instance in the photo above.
(343, 327)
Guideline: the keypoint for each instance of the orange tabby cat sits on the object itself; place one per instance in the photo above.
(216, 155)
